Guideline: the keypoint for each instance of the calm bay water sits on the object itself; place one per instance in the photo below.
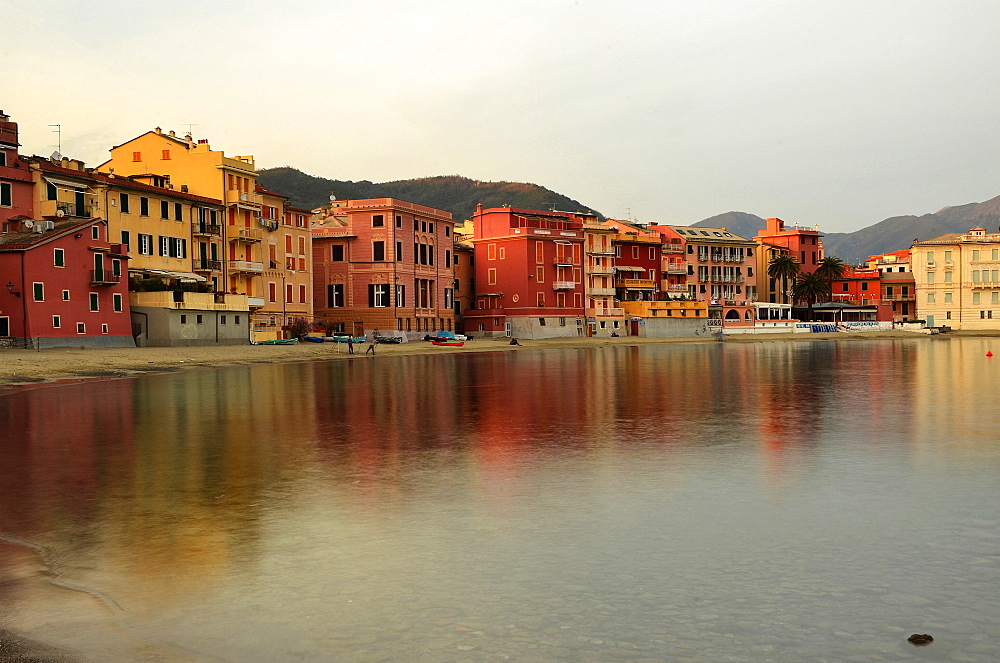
(746, 502)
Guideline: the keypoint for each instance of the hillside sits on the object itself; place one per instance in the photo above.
(741, 223)
(458, 195)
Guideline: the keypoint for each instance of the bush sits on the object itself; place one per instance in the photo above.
(299, 328)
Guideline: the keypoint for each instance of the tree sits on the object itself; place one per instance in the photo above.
(785, 268)
(811, 288)
(831, 268)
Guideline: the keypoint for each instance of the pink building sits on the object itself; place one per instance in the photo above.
(529, 273)
(383, 264)
(803, 244)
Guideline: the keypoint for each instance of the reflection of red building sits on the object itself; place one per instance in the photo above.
(64, 285)
(529, 273)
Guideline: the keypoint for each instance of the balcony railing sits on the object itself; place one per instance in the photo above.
(675, 267)
(244, 234)
(206, 229)
(49, 208)
(601, 251)
(246, 266)
(601, 291)
(565, 260)
(104, 277)
(909, 297)
(674, 287)
(205, 265)
(563, 285)
(640, 284)
(605, 312)
(234, 197)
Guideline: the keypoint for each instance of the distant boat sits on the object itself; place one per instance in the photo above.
(280, 341)
(313, 339)
(451, 343)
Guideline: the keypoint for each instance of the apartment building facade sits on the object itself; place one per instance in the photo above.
(957, 279)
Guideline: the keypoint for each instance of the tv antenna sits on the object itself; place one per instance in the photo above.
(58, 133)
(190, 128)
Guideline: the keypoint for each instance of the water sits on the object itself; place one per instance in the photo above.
(746, 502)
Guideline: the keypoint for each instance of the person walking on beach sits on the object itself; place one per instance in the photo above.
(350, 345)
(371, 345)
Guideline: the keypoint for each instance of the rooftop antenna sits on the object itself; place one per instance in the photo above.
(190, 128)
(58, 133)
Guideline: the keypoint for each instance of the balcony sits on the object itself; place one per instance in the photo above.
(206, 301)
(636, 284)
(255, 302)
(888, 299)
(205, 265)
(57, 208)
(600, 270)
(605, 313)
(672, 249)
(563, 285)
(246, 267)
(601, 251)
(601, 291)
(234, 197)
(243, 234)
(104, 277)
(206, 229)
(563, 261)
(674, 287)
(675, 267)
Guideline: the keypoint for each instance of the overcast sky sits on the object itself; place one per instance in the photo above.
(837, 113)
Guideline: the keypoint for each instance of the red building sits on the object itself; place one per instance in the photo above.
(638, 262)
(529, 273)
(803, 244)
(898, 285)
(383, 264)
(63, 284)
(15, 179)
(863, 287)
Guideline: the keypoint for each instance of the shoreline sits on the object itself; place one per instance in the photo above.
(20, 367)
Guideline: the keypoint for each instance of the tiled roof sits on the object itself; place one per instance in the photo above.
(259, 189)
(120, 182)
(693, 233)
(25, 239)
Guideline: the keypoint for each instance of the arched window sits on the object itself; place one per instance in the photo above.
(748, 316)
(733, 314)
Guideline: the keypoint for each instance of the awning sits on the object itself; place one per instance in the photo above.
(628, 268)
(187, 277)
(67, 185)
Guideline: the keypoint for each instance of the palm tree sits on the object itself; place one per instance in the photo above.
(785, 267)
(811, 288)
(831, 268)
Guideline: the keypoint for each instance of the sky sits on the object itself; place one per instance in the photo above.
(837, 113)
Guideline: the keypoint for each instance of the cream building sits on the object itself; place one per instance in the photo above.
(957, 279)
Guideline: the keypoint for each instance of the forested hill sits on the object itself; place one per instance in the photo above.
(458, 195)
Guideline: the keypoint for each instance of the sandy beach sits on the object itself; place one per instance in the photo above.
(32, 366)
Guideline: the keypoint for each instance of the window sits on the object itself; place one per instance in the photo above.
(56, 322)
(399, 221)
(491, 277)
(947, 256)
(930, 297)
(59, 258)
(65, 295)
(222, 319)
(399, 251)
(635, 251)
(95, 232)
(447, 257)
(430, 226)
(165, 155)
(541, 321)
(335, 295)
(137, 156)
(51, 193)
(198, 319)
(947, 277)
(143, 206)
(378, 220)
(236, 319)
(178, 212)
(400, 295)
(930, 277)
(503, 252)
(975, 297)
(123, 202)
(947, 298)
(38, 290)
(447, 231)
(116, 301)
(491, 251)
(6, 200)
(416, 225)
(864, 285)
(104, 328)
(378, 251)
(995, 297)
(145, 244)
(337, 253)
(378, 295)
(164, 209)
(288, 293)
(995, 254)
(94, 302)
(81, 328)
(844, 286)
(302, 294)
(975, 254)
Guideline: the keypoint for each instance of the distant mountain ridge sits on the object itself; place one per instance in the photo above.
(460, 195)
(453, 193)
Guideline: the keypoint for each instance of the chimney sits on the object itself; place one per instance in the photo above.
(173, 134)
(158, 130)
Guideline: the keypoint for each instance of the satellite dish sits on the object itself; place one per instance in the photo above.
(29, 224)
(60, 212)
(56, 156)
(333, 197)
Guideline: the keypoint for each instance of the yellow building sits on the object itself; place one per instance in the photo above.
(769, 289)
(957, 279)
(287, 275)
(196, 168)
(173, 272)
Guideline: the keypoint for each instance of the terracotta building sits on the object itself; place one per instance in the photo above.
(383, 264)
(529, 273)
(898, 286)
(15, 180)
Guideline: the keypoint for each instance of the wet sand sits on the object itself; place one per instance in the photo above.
(58, 364)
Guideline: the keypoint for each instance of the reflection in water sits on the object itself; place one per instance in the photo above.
(766, 500)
